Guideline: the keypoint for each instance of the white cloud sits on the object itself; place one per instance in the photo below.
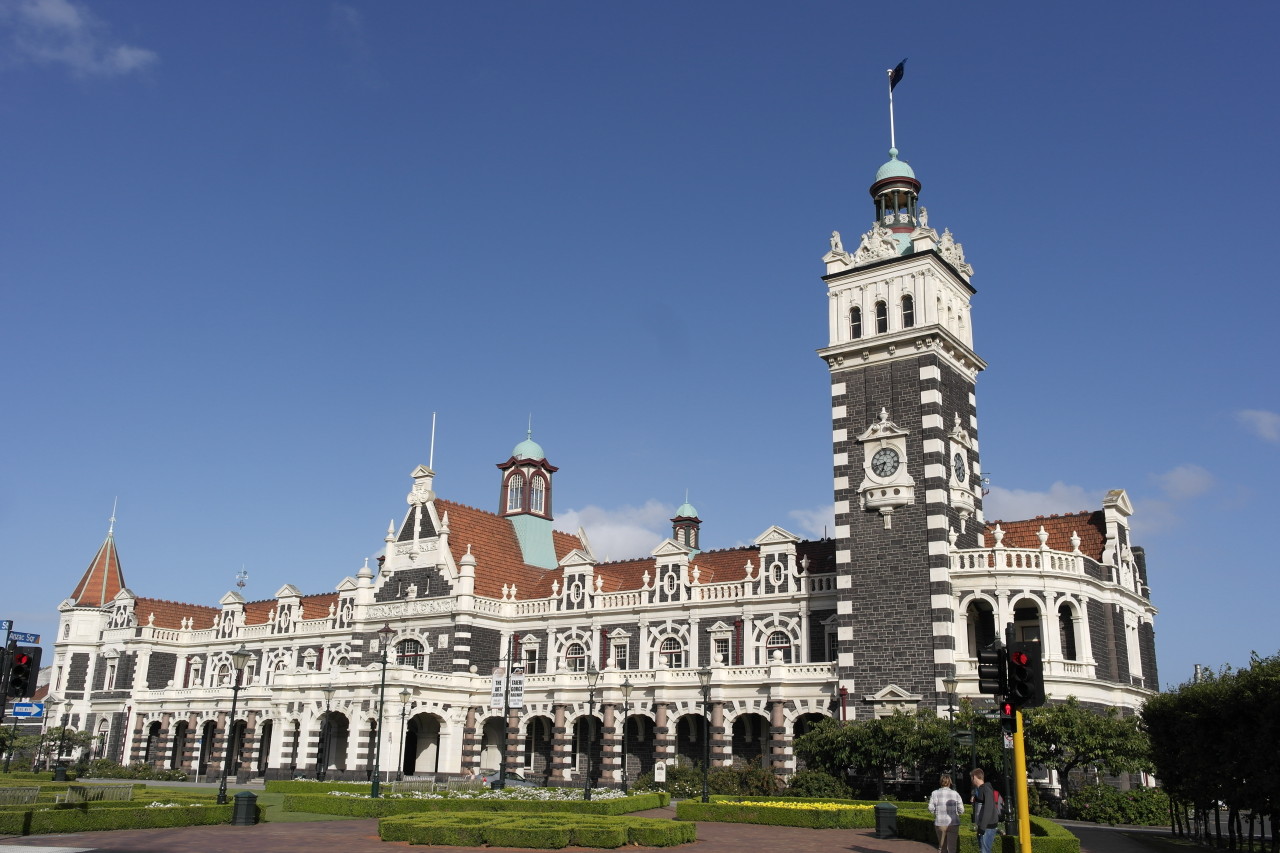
(621, 533)
(1061, 498)
(1263, 424)
(63, 32)
(817, 522)
(1185, 481)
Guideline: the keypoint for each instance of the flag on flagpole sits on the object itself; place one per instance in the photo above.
(895, 76)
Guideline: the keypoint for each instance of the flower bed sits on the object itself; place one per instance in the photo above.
(809, 813)
(86, 817)
(489, 801)
(544, 831)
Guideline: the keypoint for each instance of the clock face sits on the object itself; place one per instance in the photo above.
(885, 462)
(962, 470)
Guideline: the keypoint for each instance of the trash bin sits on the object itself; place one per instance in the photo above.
(245, 811)
(60, 773)
(886, 820)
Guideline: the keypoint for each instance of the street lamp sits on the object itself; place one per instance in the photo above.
(323, 757)
(593, 678)
(404, 706)
(239, 658)
(704, 679)
(626, 714)
(386, 632)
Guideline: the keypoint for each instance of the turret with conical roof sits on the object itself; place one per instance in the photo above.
(103, 580)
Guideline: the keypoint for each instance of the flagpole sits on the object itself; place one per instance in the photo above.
(893, 142)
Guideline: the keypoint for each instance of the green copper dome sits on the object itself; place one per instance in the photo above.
(528, 449)
(895, 168)
(686, 510)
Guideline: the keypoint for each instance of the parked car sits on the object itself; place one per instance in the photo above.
(514, 780)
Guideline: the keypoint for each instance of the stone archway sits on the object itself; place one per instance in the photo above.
(750, 739)
(536, 751)
(639, 747)
(691, 734)
(421, 751)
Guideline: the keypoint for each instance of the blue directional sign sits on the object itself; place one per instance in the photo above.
(6, 624)
(24, 637)
(28, 709)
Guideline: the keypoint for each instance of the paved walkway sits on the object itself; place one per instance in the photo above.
(361, 836)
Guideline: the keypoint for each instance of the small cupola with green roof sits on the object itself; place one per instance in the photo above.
(685, 525)
(525, 499)
(896, 193)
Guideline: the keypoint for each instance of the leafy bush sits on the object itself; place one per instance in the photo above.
(104, 768)
(815, 783)
(387, 806)
(546, 831)
(1104, 804)
(683, 781)
(1046, 836)
(90, 818)
(744, 779)
(814, 815)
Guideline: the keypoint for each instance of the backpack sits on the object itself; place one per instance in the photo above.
(1002, 808)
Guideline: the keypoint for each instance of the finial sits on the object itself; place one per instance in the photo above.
(431, 454)
(529, 434)
(111, 525)
(242, 576)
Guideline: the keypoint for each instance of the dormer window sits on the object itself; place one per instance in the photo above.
(908, 312)
(855, 323)
(882, 318)
(537, 494)
(575, 658)
(515, 493)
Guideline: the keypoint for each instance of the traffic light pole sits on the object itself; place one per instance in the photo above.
(1020, 779)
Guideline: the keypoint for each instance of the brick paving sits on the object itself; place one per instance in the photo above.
(361, 836)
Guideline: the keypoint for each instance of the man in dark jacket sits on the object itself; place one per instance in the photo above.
(986, 814)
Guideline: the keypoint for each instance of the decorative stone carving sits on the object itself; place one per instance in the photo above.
(877, 244)
(953, 253)
(417, 607)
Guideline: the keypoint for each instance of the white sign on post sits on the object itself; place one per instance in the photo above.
(660, 772)
(515, 691)
(499, 686)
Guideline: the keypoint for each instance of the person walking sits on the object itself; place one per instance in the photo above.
(986, 812)
(946, 806)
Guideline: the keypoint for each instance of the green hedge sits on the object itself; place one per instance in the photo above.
(728, 812)
(291, 786)
(542, 831)
(718, 798)
(1046, 836)
(46, 821)
(386, 806)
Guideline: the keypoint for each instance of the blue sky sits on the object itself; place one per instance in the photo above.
(247, 249)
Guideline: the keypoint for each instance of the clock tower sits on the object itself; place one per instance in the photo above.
(905, 446)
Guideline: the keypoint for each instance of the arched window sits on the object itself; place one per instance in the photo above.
(882, 317)
(778, 641)
(411, 653)
(1067, 632)
(672, 653)
(855, 323)
(908, 312)
(575, 658)
(515, 492)
(537, 494)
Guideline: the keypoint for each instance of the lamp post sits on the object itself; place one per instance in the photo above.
(322, 759)
(404, 706)
(704, 679)
(626, 715)
(950, 684)
(385, 632)
(239, 658)
(593, 678)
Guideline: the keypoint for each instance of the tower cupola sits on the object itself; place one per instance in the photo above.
(685, 525)
(896, 193)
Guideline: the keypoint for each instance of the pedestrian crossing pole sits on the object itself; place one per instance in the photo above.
(1020, 780)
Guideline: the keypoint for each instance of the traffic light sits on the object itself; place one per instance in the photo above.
(5, 654)
(1025, 676)
(24, 667)
(1008, 717)
(991, 670)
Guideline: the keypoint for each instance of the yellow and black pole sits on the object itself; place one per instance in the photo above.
(1020, 781)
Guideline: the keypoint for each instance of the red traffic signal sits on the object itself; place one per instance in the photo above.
(1008, 717)
(1025, 675)
(24, 663)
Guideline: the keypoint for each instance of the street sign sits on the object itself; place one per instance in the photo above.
(24, 637)
(28, 709)
(499, 684)
(6, 624)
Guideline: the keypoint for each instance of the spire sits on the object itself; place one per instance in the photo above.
(103, 579)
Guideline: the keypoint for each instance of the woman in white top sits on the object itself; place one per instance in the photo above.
(946, 806)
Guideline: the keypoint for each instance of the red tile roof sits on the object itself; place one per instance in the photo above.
(499, 559)
(169, 614)
(1090, 526)
(102, 580)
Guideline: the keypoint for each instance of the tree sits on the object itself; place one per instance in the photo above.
(1068, 737)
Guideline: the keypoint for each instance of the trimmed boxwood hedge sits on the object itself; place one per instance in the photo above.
(541, 831)
(717, 798)
(1047, 836)
(291, 786)
(92, 819)
(386, 806)
(728, 812)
